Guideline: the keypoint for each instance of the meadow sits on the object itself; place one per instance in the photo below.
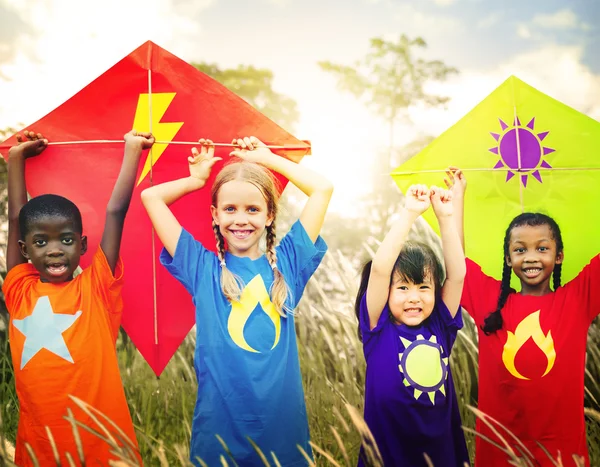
(333, 372)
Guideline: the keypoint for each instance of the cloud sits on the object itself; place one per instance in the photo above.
(561, 19)
(278, 3)
(444, 2)
(414, 22)
(490, 20)
(72, 42)
(12, 29)
(555, 70)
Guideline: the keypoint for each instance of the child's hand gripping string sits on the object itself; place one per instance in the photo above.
(315, 186)
(157, 198)
(33, 146)
(29, 145)
(201, 163)
(454, 258)
(118, 204)
(417, 201)
(457, 184)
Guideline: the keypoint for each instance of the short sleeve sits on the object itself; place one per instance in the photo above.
(107, 286)
(480, 293)
(17, 282)
(365, 323)
(448, 324)
(587, 286)
(191, 258)
(301, 255)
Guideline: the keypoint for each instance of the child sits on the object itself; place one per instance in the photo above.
(63, 329)
(408, 322)
(246, 359)
(532, 344)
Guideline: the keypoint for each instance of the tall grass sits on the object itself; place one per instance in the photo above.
(333, 373)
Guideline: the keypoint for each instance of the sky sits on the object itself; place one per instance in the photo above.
(50, 49)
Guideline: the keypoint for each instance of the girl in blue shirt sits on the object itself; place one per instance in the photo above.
(246, 357)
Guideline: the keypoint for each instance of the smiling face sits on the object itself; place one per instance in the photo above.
(54, 246)
(411, 303)
(242, 215)
(532, 255)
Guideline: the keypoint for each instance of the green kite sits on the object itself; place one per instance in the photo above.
(521, 151)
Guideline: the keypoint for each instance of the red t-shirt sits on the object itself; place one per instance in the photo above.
(531, 372)
(62, 340)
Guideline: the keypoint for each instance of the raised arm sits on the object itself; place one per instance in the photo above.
(315, 186)
(119, 201)
(457, 184)
(454, 257)
(157, 199)
(17, 191)
(378, 289)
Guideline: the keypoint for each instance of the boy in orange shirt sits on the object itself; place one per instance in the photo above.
(62, 329)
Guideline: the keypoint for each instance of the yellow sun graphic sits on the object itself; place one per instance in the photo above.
(423, 366)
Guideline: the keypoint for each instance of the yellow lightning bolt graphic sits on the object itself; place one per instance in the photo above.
(161, 131)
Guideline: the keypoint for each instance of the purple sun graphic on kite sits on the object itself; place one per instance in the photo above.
(520, 150)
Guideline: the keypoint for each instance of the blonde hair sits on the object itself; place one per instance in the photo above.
(263, 179)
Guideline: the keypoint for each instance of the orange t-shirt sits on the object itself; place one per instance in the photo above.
(62, 340)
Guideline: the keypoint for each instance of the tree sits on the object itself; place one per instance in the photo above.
(389, 80)
(255, 86)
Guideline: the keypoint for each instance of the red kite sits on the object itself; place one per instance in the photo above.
(149, 90)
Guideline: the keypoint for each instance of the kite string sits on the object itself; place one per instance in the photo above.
(150, 156)
(188, 143)
(491, 169)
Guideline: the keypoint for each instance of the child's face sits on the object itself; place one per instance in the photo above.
(242, 216)
(532, 255)
(54, 248)
(411, 303)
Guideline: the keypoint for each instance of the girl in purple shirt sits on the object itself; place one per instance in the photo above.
(408, 323)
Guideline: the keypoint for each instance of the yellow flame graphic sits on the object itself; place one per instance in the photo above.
(529, 327)
(254, 293)
(161, 131)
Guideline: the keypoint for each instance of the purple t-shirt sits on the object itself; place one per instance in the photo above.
(410, 402)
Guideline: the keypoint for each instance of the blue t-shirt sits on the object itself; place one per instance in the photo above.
(246, 358)
(410, 402)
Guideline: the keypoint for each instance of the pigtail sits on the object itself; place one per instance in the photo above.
(556, 275)
(279, 289)
(494, 320)
(231, 284)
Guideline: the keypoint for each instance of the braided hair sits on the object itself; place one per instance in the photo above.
(493, 322)
(261, 178)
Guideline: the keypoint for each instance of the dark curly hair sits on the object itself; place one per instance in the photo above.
(48, 206)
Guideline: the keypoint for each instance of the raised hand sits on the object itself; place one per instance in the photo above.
(201, 163)
(456, 181)
(145, 140)
(251, 149)
(29, 144)
(441, 201)
(417, 199)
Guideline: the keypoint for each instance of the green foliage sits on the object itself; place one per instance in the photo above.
(255, 85)
(389, 79)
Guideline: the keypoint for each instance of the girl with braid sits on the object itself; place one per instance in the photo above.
(532, 343)
(246, 358)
